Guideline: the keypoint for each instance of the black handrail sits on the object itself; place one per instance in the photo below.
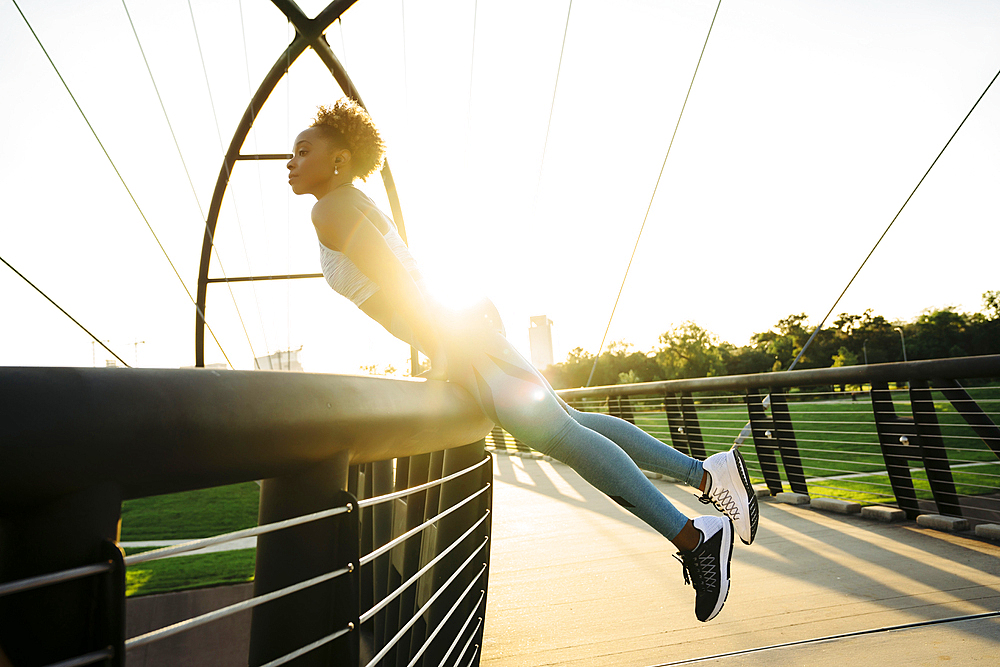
(961, 367)
(75, 442)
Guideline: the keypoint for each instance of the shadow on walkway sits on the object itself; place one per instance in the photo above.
(576, 580)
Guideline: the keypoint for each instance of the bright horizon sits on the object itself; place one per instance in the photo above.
(806, 130)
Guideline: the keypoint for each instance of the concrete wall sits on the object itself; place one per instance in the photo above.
(218, 644)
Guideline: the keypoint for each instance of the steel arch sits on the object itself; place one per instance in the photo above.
(309, 34)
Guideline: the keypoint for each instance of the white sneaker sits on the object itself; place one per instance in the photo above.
(730, 491)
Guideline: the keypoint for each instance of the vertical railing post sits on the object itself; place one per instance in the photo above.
(449, 529)
(382, 483)
(898, 439)
(292, 555)
(685, 431)
(112, 603)
(932, 450)
(65, 620)
(408, 514)
(765, 440)
(621, 407)
(787, 447)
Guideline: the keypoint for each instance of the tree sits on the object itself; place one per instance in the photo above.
(937, 334)
(844, 357)
(991, 305)
(746, 360)
(689, 351)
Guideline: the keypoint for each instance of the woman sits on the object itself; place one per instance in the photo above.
(364, 259)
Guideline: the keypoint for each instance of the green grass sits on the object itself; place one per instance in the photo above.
(838, 437)
(186, 572)
(191, 514)
(876, 489)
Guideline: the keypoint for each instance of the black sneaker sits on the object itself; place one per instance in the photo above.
(707, 567)
(729, 489)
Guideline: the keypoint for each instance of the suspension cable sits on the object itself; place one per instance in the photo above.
(239, 224)
(187, 173)
(406, 78)
(290, 35)
(120, 177)
(260, 178)
(180, 155)
(767, 399)
(472, 69)
(867, 257)
(63, 311)
(652, 196)
(552, 106)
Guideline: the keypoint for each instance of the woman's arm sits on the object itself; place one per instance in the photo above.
(343, 226)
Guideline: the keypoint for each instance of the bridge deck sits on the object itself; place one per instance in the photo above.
(576, 581)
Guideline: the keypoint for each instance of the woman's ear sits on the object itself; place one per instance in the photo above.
(342, 157)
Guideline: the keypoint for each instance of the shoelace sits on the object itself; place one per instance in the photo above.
(724, 502)
(699, 570)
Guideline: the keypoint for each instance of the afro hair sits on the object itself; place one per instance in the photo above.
(347, 124)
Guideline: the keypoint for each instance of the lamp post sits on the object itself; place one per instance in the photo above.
(902, 339)
(864, 348)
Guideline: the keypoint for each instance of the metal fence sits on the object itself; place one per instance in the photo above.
(359, 561)
(921, 435)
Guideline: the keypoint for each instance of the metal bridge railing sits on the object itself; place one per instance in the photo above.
(921, 435)
(361, 559)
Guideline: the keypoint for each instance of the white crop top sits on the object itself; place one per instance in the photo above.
(347, 279)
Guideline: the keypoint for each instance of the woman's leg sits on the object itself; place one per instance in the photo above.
(647, 452)
(515, 396)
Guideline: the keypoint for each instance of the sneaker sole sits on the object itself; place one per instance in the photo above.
(744, 476)
(727, 547)
(735, 469)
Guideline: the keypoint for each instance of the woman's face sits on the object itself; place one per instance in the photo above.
(311, 168)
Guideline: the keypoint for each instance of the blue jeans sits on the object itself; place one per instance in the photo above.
(604, 450)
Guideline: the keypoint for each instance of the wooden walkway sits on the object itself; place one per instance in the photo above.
(577, 581)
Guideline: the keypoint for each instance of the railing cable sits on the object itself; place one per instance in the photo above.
(63, 311)
(384, 602)
(461, 633)
(458, 635)
(368, 502)
(211, 616)
(309, 647)
(420, 612)
(653, 195)
(413, 531)
(120, 177)
(195, 545)
(88, 659)
(41, 580)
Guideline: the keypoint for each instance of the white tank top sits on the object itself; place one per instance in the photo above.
(347, 279)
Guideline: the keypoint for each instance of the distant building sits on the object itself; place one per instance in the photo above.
(282, 360)
(540, 341)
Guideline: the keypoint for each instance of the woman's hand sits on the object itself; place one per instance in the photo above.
(439, 367)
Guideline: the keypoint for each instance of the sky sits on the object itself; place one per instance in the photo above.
(808, 126)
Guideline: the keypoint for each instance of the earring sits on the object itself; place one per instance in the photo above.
(335, 171)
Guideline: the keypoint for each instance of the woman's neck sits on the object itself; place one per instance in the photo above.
(335, 186)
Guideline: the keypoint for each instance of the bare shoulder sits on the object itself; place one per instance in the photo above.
(334, 206)
(336, 217)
